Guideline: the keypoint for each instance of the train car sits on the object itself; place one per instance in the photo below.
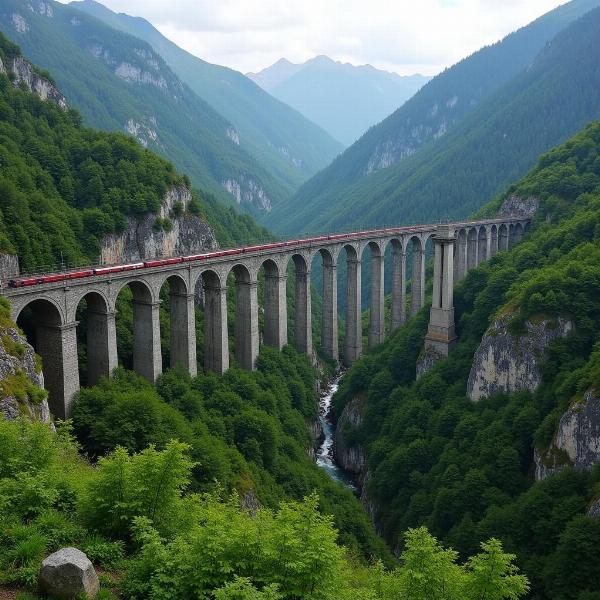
(194, 257)
(132, 266)
(102, 271)
(80, 274)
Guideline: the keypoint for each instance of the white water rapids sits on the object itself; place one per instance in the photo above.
(325, 452)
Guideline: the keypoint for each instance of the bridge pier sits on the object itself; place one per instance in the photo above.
(418, 277)
(102, 358)
(377, 313)
(329, 324)
(441, 334)
(275, 310)
(246, 323)
(353, 341)
(57, 346)
(398, 287)
(303, 317)
(461, 256)
(216, 339)
(183, 332)
(147, 358)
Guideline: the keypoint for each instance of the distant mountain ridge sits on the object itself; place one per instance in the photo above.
(342, 98)
(290, 146)
(464, 136)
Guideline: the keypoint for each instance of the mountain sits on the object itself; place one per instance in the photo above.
(343, 99)
(464, 136)
(502, 437)
(120, 83)
(289, 145)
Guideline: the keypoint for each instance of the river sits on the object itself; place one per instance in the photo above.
(325, 452)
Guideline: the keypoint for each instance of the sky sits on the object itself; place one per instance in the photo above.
(404, 36)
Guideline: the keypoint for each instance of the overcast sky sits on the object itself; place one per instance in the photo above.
(406, 36)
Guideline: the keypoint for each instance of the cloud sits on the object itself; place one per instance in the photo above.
(405, 36)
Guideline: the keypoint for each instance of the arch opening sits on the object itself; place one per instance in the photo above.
(213, 330)
(245, 326)
(55, 342)
(272, 294)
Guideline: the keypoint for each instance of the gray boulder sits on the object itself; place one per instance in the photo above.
(66, 573)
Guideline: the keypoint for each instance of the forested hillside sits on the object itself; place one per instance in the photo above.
(293, 147)
(119, 83)
(461, 138)
(466, 469)
(342, 98)
(63, 186)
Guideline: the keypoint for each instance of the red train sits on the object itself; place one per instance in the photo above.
(161, 262)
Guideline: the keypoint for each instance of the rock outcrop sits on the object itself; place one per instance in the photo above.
(505, 362)
(577, 439)
(351, 457)
(21, 379)
(68, 573)
(428, 357)
(516, 206)
(26, 75)
(142, 238)
(245, 189)
(9, 267)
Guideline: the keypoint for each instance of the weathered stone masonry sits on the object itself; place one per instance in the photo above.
(54, 305)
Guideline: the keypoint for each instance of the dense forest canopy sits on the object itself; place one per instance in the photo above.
(463, 468)
(63, 186)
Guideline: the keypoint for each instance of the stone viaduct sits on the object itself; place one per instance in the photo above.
(53, 306)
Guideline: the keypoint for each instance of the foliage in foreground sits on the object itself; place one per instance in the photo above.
(134, 517)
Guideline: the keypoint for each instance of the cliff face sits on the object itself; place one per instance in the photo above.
(505, 362)
(142, 239)
(21, 380)
(577, 439)
(516, 206)
(26, 75)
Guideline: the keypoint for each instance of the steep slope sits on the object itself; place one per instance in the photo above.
(388, 154)
(120, 83)
(441, 452)
(289, 145)
(342, 98)
(65, 189)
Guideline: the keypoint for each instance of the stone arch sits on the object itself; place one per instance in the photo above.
(179, 301)
(143, 351)
(275, 304)
(416, 245)
(302, 302)
(246, 315)
(493, 232)
(503, 234)
(96, 327)
(482, 244)
(460, 255)
(55, 341)
(329, 294)
(377, 293)
(518, 233)
(216, 334)
(398, 281)
(472, 248)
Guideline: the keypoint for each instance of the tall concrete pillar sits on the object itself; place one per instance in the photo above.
(377, 314)
(441, 334)
(216, 340)
(398, 288)
(275, 310)
(147, 359)
(494, 241)
(353, 341)
(303, 316)
(482, 246)
(102, 358)
(329, 325)
(418, 278)
(461, 252)
(246, 323)
(57, 346)
(472, 248)
(503, 238)
(488, 243)
(183, 332)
